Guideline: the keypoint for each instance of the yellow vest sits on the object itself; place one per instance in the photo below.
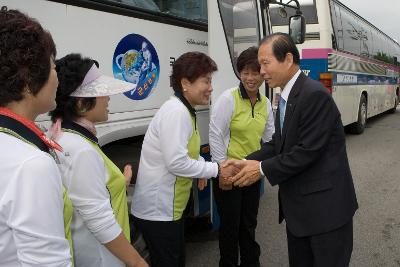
(68, 211)
(183, 185)
(247, 125)
(117, 189)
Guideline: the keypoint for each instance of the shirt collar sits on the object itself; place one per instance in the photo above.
(243, 92)
(23, 131)
(180, 96)
(73, 126)
(288, 87)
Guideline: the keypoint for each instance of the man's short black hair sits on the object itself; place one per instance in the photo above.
(282, 44)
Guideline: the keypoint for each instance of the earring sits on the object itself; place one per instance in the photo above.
(184, 90)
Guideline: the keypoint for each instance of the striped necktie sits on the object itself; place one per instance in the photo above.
(282, 109)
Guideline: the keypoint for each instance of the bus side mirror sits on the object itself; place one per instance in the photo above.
(297, 28)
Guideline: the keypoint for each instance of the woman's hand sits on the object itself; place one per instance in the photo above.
(202, 183)
(128, 174)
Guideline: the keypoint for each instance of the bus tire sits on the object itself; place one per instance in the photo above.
(359, 126)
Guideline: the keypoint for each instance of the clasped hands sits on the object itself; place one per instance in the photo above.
(239, 173)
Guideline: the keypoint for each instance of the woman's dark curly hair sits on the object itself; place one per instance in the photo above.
(25, 53)
(71, 71)
(191, 65)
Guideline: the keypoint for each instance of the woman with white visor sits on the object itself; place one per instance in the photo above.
(100, 225)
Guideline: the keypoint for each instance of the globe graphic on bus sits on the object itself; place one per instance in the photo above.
(136, 61)
(130, 63)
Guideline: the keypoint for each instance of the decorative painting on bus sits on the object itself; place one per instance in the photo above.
(136, 61)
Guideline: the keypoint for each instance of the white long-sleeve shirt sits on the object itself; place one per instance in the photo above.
(219, 130)
(165, 156)
(31, 207)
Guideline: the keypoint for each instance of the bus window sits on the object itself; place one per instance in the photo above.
(145, 4)
(240, 21)
(351, 32)
(187, 9)
(307, 7)
(337, 25)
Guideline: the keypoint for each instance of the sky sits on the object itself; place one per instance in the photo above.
(384, 14)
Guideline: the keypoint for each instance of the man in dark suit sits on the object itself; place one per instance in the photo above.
(307, 159)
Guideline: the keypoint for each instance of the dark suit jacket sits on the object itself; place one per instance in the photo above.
(309, 162)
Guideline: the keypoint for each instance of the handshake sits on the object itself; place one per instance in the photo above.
(238, 172)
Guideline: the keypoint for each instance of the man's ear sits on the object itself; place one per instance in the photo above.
(289, 59)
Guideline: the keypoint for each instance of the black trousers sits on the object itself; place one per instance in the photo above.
(238, 209)
(165, 241)
(332, 249)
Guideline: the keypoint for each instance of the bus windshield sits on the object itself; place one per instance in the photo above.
(240, 21)
(307, 7)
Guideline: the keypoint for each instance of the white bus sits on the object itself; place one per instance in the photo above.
(137, 41)
(357, 62)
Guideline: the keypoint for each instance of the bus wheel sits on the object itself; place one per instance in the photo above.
(359, 126)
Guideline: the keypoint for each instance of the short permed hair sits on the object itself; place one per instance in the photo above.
(248, 59)
(191, 65)
(25, 53)
(71, 71)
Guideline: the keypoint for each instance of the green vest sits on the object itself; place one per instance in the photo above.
(183, 185)
(117, 189)
(247, 125)
(68, 211)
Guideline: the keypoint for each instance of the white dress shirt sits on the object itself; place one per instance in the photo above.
(285, 95)
(288, 88)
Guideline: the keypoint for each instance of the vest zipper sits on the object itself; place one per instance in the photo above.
(252, 107)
